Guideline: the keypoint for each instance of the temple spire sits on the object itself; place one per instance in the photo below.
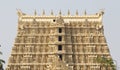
(76, 12)
(85, 12)
(20, 13)
(52, 12)
(35, 13)
(60, 13)
(43, 13)
(68, 12)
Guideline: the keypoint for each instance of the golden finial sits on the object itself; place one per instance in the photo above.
(60, 13)
(52, 12)
(68, 12)
(85, 12)
(20, 13)
(35, 13)
(43, 13)
(76, 12)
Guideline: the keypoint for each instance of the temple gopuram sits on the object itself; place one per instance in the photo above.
(59, 42)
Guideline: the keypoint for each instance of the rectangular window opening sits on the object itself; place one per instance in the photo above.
(60, 38)
(60, 30)
(59, 47)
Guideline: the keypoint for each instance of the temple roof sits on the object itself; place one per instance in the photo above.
(90, 17)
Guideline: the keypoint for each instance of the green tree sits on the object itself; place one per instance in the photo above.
(101, 61)
(106, 63)
(111, 63)
(1, 63)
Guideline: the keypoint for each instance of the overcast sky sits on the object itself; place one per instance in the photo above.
(8, 19)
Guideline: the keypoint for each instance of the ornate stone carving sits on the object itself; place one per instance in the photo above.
(39, 45)
(59, 20)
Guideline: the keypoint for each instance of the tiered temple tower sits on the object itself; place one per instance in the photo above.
(61, 42)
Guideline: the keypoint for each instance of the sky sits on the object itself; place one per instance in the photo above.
(9, 18)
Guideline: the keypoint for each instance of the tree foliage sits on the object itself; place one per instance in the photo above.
(106, 62)
(1, 63)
